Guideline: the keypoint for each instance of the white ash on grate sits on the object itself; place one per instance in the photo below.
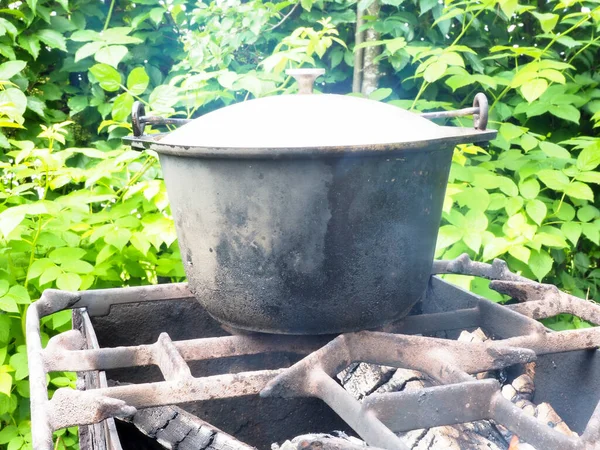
(521, 391)
(363, 379)
(338, 441)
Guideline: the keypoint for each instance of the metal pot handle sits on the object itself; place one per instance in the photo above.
(479, 111)
(139, 119)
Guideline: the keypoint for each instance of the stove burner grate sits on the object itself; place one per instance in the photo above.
(458, 398)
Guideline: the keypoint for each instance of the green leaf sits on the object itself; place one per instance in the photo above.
(473, 241)
(138, 80)
(16, 443)
(551, 240)
(156, 15)
(508, 186)
(554, 179)
(589, 177)
(393, 45)
(111, 55)
(509, 7)
(426, 5)
(37, 106)
(572, 231)
(4, 288)
(533, 89)
(77, 266)
(107, 76)
(9, 432)
(140, 242)
(18, 361)
(380, 94)
(530, 188)
(589, 157)
(307, 4)
(106, 252)
(163, 97)
(587, 213)
(52, 39)
(537, 210)
(14, 104)
(511, 132)
(476, 221)
(19, 294)
(435, 71)
(88, 49)
(566, 112)
(68, 282)
(520, 252)
(86, 36)
(564, 211)
(5, 387)
(554, 150)
(64, 254)
(30, 44)
(448, 235)
(540, 263)
(513, 205)
(547, 20)
(77, 104)
(122, 107)
(11, 68)
(495, 247)
(119, 238)
(5, 325)
(50, 274)
(473, 198)
(591, 231)
(579, 190)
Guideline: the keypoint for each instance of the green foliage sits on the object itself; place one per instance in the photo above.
(78, 210)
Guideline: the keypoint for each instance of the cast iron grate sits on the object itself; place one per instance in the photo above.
(451, 364)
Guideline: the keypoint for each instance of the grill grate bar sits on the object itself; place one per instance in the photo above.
(169, 360)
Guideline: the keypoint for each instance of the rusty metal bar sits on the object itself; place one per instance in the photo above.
(463, 265)
(99, 301)
(86, 407)
(449, 114)
(405, 411)
(557, 342)
(190, 350)
(591, 434)
(529, 428)
(479, 111)
(431, 323)
(169, 360)
(41, 433)
(366, 424)
(139, 119)
(110, 429)
(501, 322)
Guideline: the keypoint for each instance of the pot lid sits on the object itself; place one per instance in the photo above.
(306, 121)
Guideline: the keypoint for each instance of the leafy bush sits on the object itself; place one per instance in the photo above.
(79, 211)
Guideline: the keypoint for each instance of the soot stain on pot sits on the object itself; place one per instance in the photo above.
(317, 246)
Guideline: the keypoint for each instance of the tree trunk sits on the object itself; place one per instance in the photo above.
(358, 53)
(370, 73)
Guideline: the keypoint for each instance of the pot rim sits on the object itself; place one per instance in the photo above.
(457, 135)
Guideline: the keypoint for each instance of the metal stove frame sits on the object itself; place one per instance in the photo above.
(377, 418)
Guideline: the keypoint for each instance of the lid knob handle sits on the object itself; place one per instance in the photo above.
(305, 78)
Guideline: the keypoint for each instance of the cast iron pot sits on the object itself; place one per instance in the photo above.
(307, 214)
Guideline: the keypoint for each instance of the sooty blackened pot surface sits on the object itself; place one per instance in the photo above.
(308, 246)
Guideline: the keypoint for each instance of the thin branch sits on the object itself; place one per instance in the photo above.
(284, 18)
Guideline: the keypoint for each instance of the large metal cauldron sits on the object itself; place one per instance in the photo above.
(307, 214)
